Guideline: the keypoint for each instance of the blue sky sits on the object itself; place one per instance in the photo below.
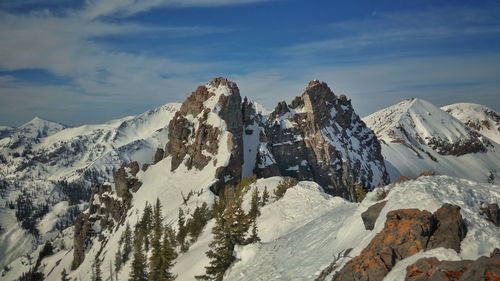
(90, 61)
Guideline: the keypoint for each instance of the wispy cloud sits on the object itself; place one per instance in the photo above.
(99, 8)
(394, 29)
(67, 45)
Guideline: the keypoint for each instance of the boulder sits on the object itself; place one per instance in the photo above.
(492, 213)
(158, 155)
(431, 269)
(370, 216)
(405, 233)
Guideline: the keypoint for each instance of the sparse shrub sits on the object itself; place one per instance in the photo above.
(282, 187)
(359, 192)
(381, 193)
(402, 179)
(427, 174)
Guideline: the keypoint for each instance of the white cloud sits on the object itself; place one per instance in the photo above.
(386, 29)
(374, 85)
(66, 46)
(98, 8)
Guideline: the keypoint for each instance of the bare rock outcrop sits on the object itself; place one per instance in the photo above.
(370, 216)
(319, 137)
(126, 180)
(406, 232)
(492, 213)
(431, 269)
(197, 130)
(80, 239)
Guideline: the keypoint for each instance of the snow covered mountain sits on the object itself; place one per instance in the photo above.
(478, 117)
(206, 150)
(418, 137)
(55, 166)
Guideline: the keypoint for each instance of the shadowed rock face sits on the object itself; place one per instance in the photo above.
(492, 213)
(126, 180)
(196, 142)
(406, 232)
(319, 137)
(80, 239)
(431, 269)
(370, 216)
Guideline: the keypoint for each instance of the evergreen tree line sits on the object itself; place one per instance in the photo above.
(150, 235)
(232, 227)
(28, 214)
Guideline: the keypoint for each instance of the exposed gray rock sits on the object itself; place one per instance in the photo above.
(450, 230)
(187, 143)
(80, 239)
(319, 137)
(370, 216)
(492, 213)
(126, 180)
(431, 269)
(158, 155)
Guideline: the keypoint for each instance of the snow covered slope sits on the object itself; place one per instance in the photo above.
(39, 156)
(417, 136)
(170, 180)
(477, 117)
(297, 245)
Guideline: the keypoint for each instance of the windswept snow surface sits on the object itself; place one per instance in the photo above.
(477, 117)
(406, 130)
(303, 231)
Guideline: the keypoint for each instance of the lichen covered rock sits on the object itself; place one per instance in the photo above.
(406, 232)
(431, 269)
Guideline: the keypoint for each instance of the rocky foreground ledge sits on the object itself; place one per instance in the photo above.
(409, 231)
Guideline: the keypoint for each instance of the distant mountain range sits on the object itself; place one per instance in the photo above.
(417, 137)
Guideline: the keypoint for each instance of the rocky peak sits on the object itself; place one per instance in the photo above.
(197, 130)
(319, 137)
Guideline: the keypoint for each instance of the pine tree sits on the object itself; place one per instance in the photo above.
(237, 222)
(254, 205)
(231, 225)
(118, 260)
(155, 261)
(195, 225)
(64, 275)
(254, 236)
(138, 270)
(182, 232)
(172, 236)
(146, 224)
(220, 252)
(265, 196)
(127, 243)
(96, 269)
(168, 255)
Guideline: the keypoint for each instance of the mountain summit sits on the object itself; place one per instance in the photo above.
(319, 137)
(419, 137)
